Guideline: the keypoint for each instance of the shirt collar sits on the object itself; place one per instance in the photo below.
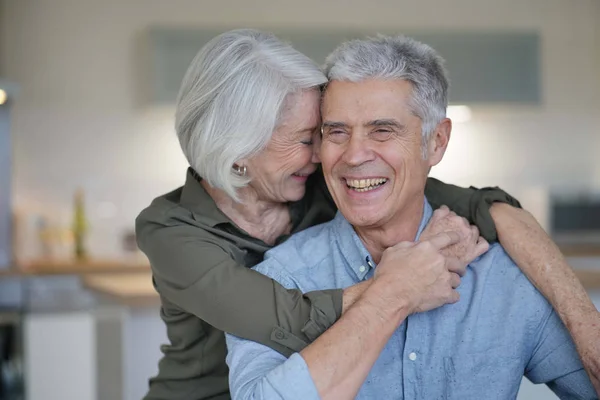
(353, 249)
(195, 198)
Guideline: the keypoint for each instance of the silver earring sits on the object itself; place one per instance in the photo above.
(241, 171)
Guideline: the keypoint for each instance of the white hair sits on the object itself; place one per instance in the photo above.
(232, 98)
(397, 57)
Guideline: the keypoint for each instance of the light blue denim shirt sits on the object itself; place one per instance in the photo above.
(478, 348)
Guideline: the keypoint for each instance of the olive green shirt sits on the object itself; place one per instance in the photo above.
(201, 268)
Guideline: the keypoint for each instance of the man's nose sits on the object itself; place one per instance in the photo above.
(357, 150)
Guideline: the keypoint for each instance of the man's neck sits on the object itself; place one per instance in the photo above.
(402, 228)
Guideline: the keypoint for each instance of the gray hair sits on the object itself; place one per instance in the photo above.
(232, 99)
(397, 57)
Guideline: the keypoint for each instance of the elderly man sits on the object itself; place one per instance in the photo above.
(384, 127)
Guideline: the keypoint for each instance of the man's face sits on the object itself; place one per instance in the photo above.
(371, 150)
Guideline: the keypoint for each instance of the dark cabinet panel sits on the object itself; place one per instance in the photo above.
(5, 185)
(485, 67)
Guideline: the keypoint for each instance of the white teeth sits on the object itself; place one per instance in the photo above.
(364, 185)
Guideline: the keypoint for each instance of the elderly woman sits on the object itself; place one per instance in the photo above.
(246, 117)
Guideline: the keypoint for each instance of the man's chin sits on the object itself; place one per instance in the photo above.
(361, 217)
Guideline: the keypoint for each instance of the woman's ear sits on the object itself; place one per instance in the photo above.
(240, 168)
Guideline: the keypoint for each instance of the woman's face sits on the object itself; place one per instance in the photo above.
(279, 172)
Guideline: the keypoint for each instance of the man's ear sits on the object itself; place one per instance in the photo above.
(438, 143)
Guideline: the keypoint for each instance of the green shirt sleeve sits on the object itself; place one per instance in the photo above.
(195, 272)
(471, 203)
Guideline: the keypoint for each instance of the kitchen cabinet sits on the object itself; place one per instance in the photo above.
(107, 353)
(485, 67)
(9, 92)
(5, 183)
(60, 356)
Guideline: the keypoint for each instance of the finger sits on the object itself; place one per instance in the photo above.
(455, 266)
(444, 207)
(454, 297)
(403, 245)
(465, 221)
(481, 247)
(441, 212)
(474, 232)
(445, 239)
(454, 280)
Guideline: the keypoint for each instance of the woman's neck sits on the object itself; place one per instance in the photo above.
(264, 220)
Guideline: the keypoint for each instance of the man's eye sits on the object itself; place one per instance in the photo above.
(307, 142)
(381, 134)
(336, 136)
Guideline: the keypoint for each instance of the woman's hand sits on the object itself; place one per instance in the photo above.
(433, 276)
(470, 246)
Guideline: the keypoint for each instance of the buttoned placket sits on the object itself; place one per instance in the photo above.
(412, 357)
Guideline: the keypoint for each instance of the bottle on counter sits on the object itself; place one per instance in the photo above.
(80, 226)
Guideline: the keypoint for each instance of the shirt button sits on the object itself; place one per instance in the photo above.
(279, 335)
(412, 356)
(362, 268)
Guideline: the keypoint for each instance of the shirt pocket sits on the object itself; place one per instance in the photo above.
(493, 374)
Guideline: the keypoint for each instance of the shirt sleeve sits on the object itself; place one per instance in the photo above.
(471, 203)
(195, 273)
(258, 372)
(555, 362)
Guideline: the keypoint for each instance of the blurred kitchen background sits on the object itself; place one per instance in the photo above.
(87, 141)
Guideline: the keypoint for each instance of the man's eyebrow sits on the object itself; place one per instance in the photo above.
(375, 122)
(386, 122)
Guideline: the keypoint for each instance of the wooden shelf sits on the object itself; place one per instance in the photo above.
(63, 267)
(134, 289)
(131, 284)
(580, 250)
(589, 279)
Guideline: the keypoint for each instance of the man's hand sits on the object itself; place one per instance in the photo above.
(466, 250)
(417, 275)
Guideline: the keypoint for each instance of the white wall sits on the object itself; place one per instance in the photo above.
(77, 121)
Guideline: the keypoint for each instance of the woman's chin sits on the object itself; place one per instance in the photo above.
(295, 194)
